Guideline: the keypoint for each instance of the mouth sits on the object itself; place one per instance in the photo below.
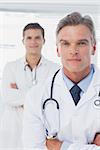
(75, 59)
(33, 46)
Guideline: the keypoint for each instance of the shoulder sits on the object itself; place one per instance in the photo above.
(50, 63)
(10, 63)
(96, 76)
(96, 70)
(13, 64)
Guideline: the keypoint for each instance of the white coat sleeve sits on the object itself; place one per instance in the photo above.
(78, 146)
(10, 96)
(33, 128)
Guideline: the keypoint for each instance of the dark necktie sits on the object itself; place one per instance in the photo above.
(75, 92)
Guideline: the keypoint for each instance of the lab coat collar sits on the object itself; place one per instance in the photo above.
(92, 91)
(95, 81)
(42, 61)
(96, 77)
(25, 63)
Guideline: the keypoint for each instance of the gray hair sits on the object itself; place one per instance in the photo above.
(76, 18)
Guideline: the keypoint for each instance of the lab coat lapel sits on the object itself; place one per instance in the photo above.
(67, 107)
(90, 94)
(92, 90)
(63, 90)
(65, 100)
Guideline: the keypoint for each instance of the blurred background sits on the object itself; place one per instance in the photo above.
(14, 15)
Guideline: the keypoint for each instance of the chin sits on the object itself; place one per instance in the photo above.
(74, 69)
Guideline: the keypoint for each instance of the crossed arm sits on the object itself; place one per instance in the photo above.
(12, 94)
(96, 140)
(54, 144)
(13, 85)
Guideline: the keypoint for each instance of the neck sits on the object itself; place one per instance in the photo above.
(33, 61)
(77, 76)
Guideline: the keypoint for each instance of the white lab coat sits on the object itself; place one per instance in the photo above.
(11, 121)
(78, 124)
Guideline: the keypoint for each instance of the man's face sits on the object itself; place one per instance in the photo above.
(75, 47)
(33, 41)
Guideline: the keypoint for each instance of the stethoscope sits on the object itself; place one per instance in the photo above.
(34, 78)
(96, 103)
(50, 131)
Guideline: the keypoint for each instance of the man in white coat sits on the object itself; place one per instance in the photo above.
(18, 77)
(65, 115)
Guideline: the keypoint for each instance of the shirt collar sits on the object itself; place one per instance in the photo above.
(83, 84)
(42, 61)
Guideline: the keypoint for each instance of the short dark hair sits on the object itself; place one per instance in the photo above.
(76, 18)
(33, 26)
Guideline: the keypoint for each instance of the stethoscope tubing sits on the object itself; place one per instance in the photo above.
(34, 80)
(51, 93)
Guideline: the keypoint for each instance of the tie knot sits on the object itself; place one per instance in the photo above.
(76, 89)
(75, 92)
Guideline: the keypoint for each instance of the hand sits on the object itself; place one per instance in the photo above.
(13, 86)
(96, 140)
(53, 144)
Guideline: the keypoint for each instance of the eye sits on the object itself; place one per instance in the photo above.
(64, 43)
(37, 37)
(29, 37)
(82, 43)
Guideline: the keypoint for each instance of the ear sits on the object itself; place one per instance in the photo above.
(58, 54)
(23, 41)
(94, 49)
(44, 41)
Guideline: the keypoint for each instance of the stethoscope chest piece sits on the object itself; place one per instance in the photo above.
(97, 103)
(34, 82)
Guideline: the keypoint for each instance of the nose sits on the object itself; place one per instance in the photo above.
(73, 49)
(33, 41)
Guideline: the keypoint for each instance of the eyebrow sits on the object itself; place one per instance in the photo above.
(81, 40)
(38, 36)
(28, 37)
(63, 40)
(85, 40)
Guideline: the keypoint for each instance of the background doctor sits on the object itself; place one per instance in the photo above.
(18, 77)
(76, 89)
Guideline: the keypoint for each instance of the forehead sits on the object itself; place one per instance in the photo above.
(32, 32)
(74, 32)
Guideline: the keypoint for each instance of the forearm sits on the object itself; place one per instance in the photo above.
(13, 97)
(96, 140)
(53, 144)
(12, 94)
(65, 145)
